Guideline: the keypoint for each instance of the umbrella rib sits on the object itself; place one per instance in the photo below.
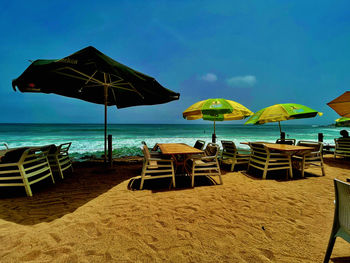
(97, 82)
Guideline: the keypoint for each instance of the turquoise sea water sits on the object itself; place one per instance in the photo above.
(88, 139)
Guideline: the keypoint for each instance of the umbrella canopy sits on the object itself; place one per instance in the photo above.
(343, 121)
(92, 76)
(216, 110)
(341, 105)
(282, 112)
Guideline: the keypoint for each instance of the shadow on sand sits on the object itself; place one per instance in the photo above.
(88, 181)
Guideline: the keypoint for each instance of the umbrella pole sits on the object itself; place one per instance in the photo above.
(213, 137)
(106, 98)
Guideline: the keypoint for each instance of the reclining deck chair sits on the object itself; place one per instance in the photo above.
(263, 159)
(59, 158)
(206, 164)
(342, 147)
(341, 221)
(231, 156)
(310, 158)
(154, 168)
(24, 167)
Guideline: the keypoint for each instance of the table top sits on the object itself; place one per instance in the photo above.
(284, 147)
(177, 148)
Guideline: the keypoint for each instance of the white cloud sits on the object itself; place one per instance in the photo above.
(242, 81)
(210, 77)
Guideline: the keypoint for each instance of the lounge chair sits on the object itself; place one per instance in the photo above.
(231, 156)
(286, 141)
(59, 158)
(24, 167)
(341, 221)
(342, 147)
(307, 159)
(206, 164)
(154, 168)
(263, 159)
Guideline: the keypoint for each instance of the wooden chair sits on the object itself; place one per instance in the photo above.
(342, 147)
(263, 159)
(307, 159)
(24, 167)
(286, 141)
(341, 221)
(199, 144)
(59, 158)
(154, 168)
(206, 164)
(231, 156)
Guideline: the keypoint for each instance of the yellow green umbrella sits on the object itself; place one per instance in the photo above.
(343, 121)
(282, 112)
(216, 110)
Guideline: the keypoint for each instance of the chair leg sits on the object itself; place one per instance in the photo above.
(329, 249)
(173, 175)
(290, 167)
(26, 183)
(192, 183)
(265, 171)
(233, 166)
(303, 167)
(322, 167)
(220, 178)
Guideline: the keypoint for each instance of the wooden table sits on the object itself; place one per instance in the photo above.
(285, 148)
(176, 149)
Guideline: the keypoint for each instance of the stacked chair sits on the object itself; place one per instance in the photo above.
(155, 167)
(24, 167)
(342, 147)
(310, 158)
(206, 164)
(263, 159)
(59, 159)
(231, 156)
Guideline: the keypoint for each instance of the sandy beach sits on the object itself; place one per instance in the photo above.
(95, 215)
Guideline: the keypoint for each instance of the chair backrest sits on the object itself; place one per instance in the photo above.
(4, 145)
(318, 146)
(64, 147)
(286, 141)
(228, 148)
(342, 204)
(212, 149)
(342, 143)
(199, 144)
(146, 152)
(258, 149)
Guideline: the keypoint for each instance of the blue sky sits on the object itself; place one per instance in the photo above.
(257, 53)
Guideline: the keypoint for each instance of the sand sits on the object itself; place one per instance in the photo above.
(94, 216)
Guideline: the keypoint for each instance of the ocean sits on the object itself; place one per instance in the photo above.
(88, 139)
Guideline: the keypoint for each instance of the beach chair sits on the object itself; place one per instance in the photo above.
(286, 141)
(154, 151)
(341, 221)
(307, 159)
(231, 156)
(24, 167)
(342, 147)
(154, 168)
(263, 159)
(59, 158)
(206, 164)
(199, 144)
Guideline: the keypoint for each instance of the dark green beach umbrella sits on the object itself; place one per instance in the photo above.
(92, 76)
